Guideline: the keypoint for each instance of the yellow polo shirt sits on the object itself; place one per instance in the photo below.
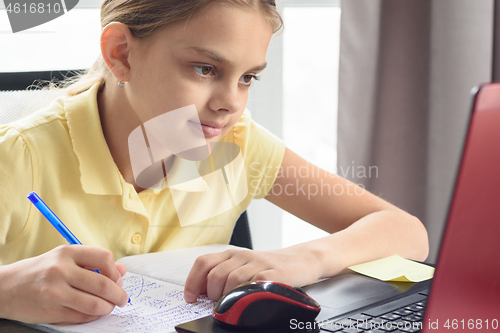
(60, 153)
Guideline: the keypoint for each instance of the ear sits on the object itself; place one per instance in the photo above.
(116, 41)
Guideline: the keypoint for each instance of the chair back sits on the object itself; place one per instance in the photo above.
(21, 93)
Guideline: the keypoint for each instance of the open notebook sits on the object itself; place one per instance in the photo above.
(154, 283)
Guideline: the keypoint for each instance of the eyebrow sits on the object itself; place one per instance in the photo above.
(220, 59)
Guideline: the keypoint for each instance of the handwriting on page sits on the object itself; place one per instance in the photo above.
(155, 307)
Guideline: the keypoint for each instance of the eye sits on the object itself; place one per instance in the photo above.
(203, 70)
(247, 79)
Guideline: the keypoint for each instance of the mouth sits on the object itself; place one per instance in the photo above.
(210, 128)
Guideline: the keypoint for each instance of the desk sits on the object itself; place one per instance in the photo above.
(7, 326)
(337, 295)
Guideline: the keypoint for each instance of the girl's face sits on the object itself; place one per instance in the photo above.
(209, 61)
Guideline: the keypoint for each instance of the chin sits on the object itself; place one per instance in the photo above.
(214, 138)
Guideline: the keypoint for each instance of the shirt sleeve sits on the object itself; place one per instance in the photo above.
(263, 154)
(16, 178)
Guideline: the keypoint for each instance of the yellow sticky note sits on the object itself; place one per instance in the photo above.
(395, 268)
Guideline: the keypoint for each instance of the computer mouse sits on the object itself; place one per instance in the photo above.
(265, 304)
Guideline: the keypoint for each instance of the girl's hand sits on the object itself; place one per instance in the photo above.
(61, 287)
(218, 273)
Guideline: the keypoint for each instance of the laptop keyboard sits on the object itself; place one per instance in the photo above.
(402, 315)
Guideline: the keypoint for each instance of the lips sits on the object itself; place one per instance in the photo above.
(210, 128)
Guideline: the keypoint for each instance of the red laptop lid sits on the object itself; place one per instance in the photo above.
(465, 293)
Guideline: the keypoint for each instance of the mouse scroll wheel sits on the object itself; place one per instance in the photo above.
(300, 290)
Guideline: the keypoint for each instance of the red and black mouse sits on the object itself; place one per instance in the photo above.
(264, 304)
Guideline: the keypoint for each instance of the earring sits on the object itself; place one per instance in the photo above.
(121, 84)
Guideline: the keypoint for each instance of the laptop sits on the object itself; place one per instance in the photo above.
(464, 294)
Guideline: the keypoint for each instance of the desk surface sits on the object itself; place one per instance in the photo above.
(337, 295)
(7, 326)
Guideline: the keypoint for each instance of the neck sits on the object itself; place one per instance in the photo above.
(118, 120)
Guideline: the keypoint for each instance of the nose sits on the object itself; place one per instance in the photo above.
(227, 97)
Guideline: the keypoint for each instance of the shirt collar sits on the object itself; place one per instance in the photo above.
(99, 173)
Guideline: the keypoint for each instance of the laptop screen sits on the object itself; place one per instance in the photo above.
(465, 293)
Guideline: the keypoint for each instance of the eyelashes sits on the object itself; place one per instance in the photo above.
(207, 71)
(203, 70)
(248, 78)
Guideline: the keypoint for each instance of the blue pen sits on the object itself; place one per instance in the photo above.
(55, 221)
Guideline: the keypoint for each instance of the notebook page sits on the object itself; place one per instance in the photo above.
(171, 266)
(156, 307)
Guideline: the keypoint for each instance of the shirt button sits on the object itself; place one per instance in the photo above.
(136, 238)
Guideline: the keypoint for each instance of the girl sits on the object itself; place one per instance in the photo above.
(159, 59)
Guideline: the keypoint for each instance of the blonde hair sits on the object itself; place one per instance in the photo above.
(145, 17)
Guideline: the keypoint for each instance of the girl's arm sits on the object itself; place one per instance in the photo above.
(363, 227)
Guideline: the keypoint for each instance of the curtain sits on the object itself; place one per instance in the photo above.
(406, 72)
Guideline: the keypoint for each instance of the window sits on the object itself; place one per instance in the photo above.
(297, 100)
(56, 45)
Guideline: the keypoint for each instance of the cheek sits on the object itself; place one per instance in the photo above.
(179, 92)
(165, 88)
(158, 98)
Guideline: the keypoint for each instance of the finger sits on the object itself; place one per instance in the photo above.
(198, 275)
(203, 290)
(241, 275)
(269, 275)
(94, 257)
(121, 269)
(217, 277)
(86, 304)
(98, 285)
(70, 316)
